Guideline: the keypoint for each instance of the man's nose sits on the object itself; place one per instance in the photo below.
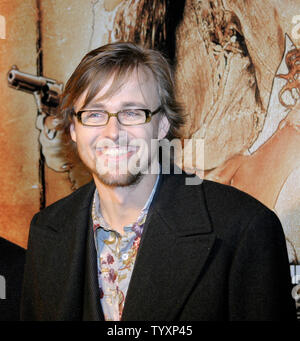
(112, 129)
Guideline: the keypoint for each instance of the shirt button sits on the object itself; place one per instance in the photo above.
(125, 256)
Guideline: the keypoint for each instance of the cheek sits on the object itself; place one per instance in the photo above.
(145, 134)
(84, 138)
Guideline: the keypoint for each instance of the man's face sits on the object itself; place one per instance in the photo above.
(117, 155)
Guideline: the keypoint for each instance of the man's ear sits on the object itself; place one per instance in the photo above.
(164, 126)
(73, 132)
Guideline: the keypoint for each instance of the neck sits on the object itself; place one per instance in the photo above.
(121, 206)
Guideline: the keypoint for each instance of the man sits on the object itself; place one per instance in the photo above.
(136, 244)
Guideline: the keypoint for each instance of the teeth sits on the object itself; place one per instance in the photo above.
(115, 151)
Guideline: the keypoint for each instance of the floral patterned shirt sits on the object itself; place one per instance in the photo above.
(116, 256)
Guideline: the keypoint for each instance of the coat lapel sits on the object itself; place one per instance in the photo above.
(174, 249)
(76, 260)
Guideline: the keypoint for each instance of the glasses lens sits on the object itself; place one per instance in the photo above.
(132, 116)
(94, 118)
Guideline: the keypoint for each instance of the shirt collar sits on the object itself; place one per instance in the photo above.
(99, 220)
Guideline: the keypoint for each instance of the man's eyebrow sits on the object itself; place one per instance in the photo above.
(134, 104)
(94, 106)
(123, 105)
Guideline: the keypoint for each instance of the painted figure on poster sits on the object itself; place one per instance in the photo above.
(267, 168)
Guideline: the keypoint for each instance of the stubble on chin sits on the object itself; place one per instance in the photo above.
(117, 180)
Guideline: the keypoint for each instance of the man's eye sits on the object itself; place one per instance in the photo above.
(132, 113)
(95, 115)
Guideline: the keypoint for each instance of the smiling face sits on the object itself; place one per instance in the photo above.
(119, 155)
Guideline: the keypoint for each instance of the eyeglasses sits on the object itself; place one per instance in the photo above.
(126, 117)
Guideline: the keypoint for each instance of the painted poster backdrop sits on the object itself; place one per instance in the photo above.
(237, 70)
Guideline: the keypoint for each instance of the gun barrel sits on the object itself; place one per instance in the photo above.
(15, 76)
(48, 89)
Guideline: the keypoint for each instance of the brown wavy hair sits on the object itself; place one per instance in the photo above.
(117, 60)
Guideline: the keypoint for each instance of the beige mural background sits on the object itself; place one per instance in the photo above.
(226, 56)
(19, 153)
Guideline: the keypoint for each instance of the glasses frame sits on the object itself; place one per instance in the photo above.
(147, 112)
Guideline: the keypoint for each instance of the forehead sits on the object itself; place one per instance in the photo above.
(138, 85)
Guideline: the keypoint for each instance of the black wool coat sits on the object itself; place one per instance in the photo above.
(209, 252)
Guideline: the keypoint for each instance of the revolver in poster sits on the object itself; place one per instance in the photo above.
(45, 90)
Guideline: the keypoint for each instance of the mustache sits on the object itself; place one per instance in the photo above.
(107, 143)
(120, 141)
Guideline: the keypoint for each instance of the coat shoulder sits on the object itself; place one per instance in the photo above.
(224, 198)
(77, 200)
(229, 206)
